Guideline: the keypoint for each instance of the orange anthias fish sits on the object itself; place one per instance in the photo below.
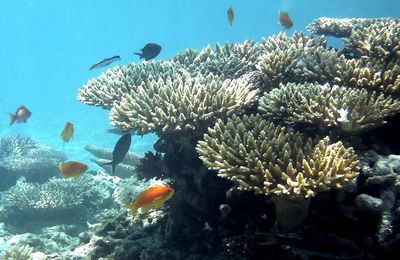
(284, 20)
(21, 115)
(72, 169)
(230, 16)
(152, 198)
(68, 132)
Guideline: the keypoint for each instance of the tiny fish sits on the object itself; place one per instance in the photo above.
(151, 198)
(150, 51)
(72, 169)
(68, 132)
(230, 16)
(105, 62)
(284, 20)
(120, 150)
(21, 115)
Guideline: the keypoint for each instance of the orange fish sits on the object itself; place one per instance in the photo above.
(68, 132)
(72, 169)
(230, 16)
(284, 20)
(152, 198)
(21, 115)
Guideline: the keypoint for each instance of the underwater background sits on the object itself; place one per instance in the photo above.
(47, 49)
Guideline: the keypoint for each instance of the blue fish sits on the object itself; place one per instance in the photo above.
(105, 62)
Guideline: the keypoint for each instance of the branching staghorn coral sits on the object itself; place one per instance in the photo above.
(112, 84)
(182, 104)
(369, 75)
(18, 252)
(296, 59)
(340, 27)
(328, 106)
(16, 145)
(379, 41)
(227, 61)
(267, 159)
(54, 194)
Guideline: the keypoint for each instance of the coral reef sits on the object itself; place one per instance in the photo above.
(23, 157)
(226, 61)
(16, 145)
(379, 41)
(18, 253)
(104, 155)
(181, 104)
(267, 159)
(311, 182)
(326, 106)
(296, 59)
(57, 195)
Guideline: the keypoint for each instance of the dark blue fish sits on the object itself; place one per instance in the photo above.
(105, 62)
(150, 51)
(120, 150)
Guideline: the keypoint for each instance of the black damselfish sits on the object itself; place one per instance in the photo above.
(150, 51)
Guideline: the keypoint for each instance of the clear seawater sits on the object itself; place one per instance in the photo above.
(47, 47)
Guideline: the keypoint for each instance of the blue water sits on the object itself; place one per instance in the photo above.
(47, 47)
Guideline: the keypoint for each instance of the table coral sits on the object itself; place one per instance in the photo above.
(380, 40)
(181, 103)
(296, 59)
(268, 159)
(327, 106)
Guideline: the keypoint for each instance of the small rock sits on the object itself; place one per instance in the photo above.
(380, 181)
(394, 161)
(370, 203)
(382, 167)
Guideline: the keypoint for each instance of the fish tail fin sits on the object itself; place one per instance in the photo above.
(110, 163)
(140, 54)
(12, 118)
(61, 170)
(266, 239)
(132, 207)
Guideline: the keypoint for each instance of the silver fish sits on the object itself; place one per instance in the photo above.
(120, 150)
(105, 62)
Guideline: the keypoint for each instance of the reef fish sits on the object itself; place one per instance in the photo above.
(150, 51)
(21, 115)
(72, 169)
(68, 132)
(230, 14)
(104, 62)
(120, 150)
(284, 20)
(151, 198)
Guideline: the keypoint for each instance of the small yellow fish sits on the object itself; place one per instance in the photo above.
(72, 169)
(68, 132)
(152, 198)
(230, 16)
